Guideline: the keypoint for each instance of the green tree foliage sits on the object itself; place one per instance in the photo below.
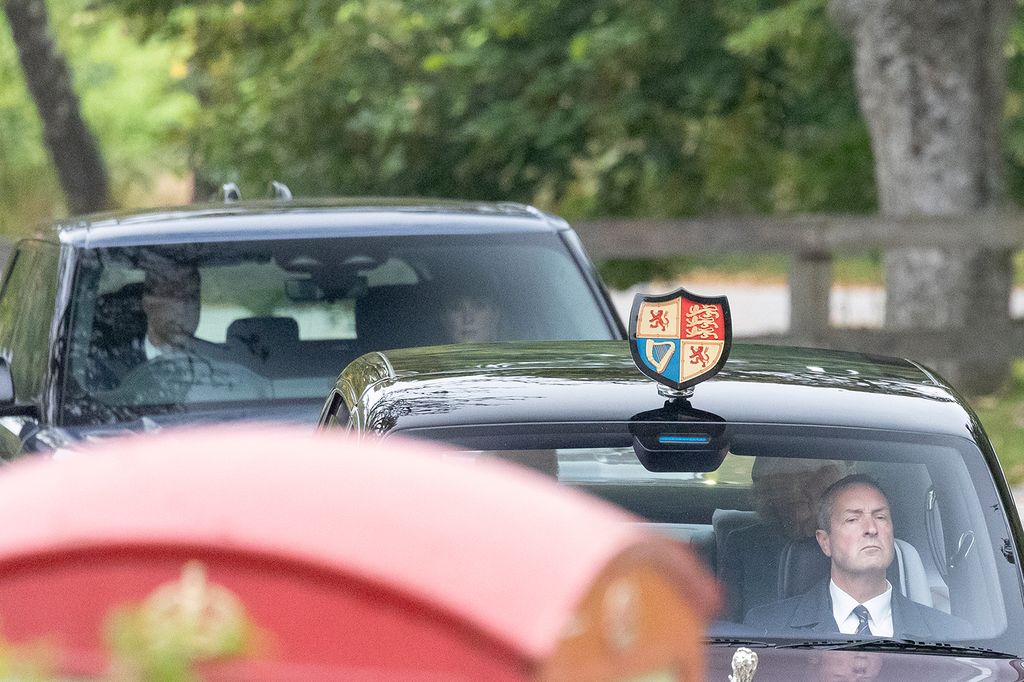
(129, 95)
(588, 107)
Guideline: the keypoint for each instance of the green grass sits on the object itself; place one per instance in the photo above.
(1002, 415)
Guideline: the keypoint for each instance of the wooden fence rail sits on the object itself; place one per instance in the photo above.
(812, 242)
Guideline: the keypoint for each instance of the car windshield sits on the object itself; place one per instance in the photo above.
(177, 328)
(915, 524)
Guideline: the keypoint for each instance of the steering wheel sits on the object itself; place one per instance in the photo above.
(188, 377)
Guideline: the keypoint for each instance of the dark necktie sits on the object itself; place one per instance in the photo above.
(862, 615)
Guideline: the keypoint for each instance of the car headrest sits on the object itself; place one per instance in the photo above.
(119, 314)
(263, 332)
(395, 316)
(802, 565)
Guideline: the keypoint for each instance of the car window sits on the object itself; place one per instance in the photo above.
(177, 327)
(756, 518)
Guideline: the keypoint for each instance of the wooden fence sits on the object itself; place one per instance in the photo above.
(812, 242)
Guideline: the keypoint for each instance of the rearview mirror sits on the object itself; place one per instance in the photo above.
(303, 291)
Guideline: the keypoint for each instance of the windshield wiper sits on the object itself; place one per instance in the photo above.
(903, 645)
(736, 641)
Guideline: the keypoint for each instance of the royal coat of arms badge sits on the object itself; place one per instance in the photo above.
(680, 339)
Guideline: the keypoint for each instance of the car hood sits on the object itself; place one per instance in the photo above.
(848, 666)
(52, 439)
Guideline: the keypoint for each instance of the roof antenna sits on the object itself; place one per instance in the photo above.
(229, 193)
(279, 190)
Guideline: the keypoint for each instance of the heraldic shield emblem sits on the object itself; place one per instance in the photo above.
(680, 339)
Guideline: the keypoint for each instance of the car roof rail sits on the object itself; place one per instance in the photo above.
(279, 190)
(229, 193)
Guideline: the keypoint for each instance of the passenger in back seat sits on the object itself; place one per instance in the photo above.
(786, 495)
(470, 313)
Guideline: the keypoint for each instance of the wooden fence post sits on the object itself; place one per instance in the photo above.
(810, 283)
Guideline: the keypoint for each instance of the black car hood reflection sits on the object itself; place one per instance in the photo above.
(775, 665)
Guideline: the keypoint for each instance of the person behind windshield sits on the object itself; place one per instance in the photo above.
(171, 302)
(786, 492)
(470, 318)
(855, 531)
(469, 311)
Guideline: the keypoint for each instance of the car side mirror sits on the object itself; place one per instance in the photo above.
(8, 407)
(6, 385)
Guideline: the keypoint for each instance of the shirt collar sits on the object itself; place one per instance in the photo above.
(152, 350)
(880, 607)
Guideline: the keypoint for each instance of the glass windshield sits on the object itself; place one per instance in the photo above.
(181, 327)
(908, 525)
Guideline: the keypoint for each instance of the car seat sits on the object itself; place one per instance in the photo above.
(116, 338)
(267, 344)
(747, 559)
(802, 565)
(395, 316)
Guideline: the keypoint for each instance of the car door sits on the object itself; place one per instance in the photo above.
(27, 303)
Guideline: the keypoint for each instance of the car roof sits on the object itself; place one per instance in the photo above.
(561, 382)
(303, 219)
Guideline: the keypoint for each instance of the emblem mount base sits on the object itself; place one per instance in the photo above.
(670, 392)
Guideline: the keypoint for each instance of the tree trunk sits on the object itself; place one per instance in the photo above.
(80, 168)
(930, 82)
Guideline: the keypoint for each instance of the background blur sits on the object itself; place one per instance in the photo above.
(592, 109)
(586, 108)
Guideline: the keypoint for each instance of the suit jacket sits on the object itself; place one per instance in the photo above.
(812, 612)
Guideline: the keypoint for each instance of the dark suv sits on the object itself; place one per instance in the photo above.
(250, 310)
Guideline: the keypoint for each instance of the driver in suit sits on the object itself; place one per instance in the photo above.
(855, 531)
(170, 300)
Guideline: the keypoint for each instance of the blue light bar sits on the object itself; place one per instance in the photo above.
(692, 440)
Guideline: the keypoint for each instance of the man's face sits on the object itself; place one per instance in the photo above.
(860, 537)
(171, 304)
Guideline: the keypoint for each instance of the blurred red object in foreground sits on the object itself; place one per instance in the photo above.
(348, 560)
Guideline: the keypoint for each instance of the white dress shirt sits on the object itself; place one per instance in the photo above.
(152, 350)
(879, 611)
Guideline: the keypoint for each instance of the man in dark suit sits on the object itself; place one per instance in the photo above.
(855, 531)
(786, 494)
(144, 321)
(173, 364)
(170, 300)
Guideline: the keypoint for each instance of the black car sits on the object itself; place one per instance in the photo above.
(250, 310)
(760, 469)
